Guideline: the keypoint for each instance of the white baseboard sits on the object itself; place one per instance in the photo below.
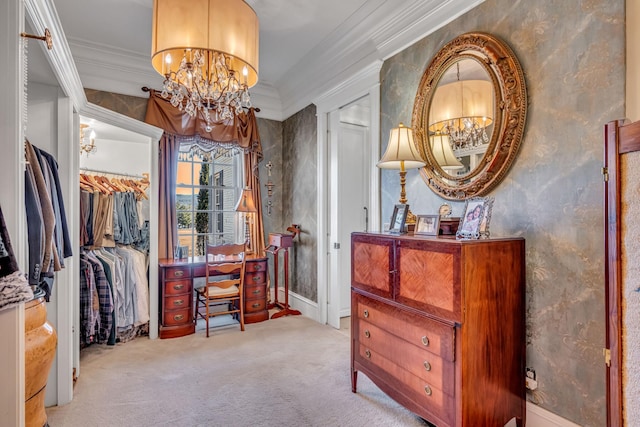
(539, 417)
(307, 307)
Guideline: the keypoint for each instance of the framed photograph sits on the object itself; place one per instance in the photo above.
(427, 225)
(474, 222)
(398, 218)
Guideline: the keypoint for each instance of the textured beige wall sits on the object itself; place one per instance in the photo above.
(572, 54)
(633, 60)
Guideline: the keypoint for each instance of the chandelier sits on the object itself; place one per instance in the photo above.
(207, 52)
(87, 147)
(462, 110)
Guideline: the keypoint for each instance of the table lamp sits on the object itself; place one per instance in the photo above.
(402, 154)
(247, 206)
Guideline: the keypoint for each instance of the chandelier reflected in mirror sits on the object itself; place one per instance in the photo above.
(462, 110)
(207, 52)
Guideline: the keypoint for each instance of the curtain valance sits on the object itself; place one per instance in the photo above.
(241, 132)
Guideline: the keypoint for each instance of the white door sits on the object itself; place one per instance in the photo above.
(349, 158)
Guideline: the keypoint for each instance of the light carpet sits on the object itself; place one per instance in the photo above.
(290, 371)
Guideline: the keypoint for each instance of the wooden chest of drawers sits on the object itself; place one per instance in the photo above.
(438, 324)
(176, 301)
(255, 291)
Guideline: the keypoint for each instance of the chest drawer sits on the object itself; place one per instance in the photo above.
(255, 291)
(431, 335)
(431, 368)
(255, 278)
(176, 273)
(254, 266)
(422, 392)
(177, 302)
(177, 287)
(253, 305)
(177, 317)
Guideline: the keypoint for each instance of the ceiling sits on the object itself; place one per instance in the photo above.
(307, 47)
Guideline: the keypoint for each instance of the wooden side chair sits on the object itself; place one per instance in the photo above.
(222, 293)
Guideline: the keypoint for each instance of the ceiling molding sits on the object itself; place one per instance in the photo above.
(41, 14)
(379, 35)
(375, 32)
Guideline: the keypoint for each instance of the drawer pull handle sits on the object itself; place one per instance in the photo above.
(366, 313)
(368, 354)
(256, 278)
(178, 302)
(258, 267)
(427, 390)
(427, 365)
(367, 334)
(178, 273)
(178, 317)
(178, 287)
(256, 292)
(256, 305)
(425, 341)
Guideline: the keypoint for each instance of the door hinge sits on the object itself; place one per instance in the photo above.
(336, 245)
(605, 174)
(607, 356)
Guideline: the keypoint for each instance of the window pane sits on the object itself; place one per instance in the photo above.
(205, 199)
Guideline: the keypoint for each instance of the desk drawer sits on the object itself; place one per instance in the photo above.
(177, 302)
(252, 266)
(255, 291)
(172, 273)
(254, 305)
(177, 317)
(255, 278)
(177, 287)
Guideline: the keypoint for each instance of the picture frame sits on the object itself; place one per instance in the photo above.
(427, 225)
(474, 223)
(398, 218)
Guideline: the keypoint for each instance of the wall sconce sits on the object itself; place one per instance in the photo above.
(269, 186)
(89, 147)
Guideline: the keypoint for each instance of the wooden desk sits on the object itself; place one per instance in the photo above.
(176, 302)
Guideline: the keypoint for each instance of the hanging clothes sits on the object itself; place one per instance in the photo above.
(48, 234)
(14, 287)
(114, 233)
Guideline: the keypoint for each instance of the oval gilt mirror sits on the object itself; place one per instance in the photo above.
(469, 115)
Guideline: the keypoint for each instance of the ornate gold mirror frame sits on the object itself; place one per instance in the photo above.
(510, 110)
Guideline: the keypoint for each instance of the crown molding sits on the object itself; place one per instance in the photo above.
(362, 40)
(375, 32)
(42, 14)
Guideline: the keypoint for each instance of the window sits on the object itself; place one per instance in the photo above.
(207, 188)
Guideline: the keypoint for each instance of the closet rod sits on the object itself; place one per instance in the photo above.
(113, 173)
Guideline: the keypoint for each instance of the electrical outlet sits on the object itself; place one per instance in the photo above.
(530, 373)
(530, 379)
(531, 384)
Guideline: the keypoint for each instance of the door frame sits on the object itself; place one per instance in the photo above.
(366, 82)
(619, 138)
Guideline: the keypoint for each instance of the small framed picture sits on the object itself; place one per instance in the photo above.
(427, 225)
(474, 223)
(398, 218)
